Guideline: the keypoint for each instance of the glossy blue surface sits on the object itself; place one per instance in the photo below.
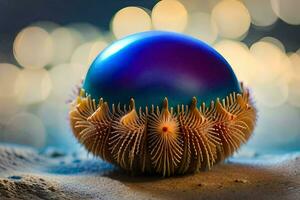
(152, 65)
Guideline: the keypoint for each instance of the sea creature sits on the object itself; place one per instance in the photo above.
(162, 103)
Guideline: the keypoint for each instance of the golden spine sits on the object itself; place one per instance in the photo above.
(160, 140)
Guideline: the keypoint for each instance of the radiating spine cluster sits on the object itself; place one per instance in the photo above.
(161, 140)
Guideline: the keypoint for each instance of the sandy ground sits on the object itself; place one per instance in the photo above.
(27, 174)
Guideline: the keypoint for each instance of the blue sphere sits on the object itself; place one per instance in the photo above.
(152, 65)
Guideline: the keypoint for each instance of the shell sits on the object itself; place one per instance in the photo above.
(161, 140)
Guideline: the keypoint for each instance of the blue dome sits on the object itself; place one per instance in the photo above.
(152, 65)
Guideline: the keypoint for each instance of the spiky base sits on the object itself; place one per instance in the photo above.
(163, 141)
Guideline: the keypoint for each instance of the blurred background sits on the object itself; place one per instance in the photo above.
(46, 48)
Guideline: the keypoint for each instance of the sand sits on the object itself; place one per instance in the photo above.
(27, 174)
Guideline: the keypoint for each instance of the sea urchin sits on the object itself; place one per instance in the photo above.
(138, 106)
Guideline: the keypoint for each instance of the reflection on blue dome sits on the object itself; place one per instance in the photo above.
(152, 65)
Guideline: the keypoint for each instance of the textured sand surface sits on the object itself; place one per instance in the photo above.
(26, 174)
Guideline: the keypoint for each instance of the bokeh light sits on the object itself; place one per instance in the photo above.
(64, 42)
(240, 59)
(130, 20)
(274, 41)
(205, 6)
(84, 31)
(87, 52)
(33, 48)
(294, 83)
(81, 54)
(64, 78)
(232, 18)
(277, 129)
(33, 86)
(54, 114)
(287, 10)
(96, 49)
(294, 91)
(169, 15)
(202, 26)
(48, 26)
(272, 60)
(295, 62)
(261, 12)
(9, 106)
(8, 76)
(271, 94)
(26, 129)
